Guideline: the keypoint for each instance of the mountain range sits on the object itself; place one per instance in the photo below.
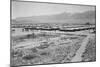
(79, 18)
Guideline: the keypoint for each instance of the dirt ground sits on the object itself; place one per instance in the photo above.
(52, 47)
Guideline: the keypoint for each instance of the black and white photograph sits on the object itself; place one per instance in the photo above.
(51, 33)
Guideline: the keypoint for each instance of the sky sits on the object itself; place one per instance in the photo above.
(25, 9)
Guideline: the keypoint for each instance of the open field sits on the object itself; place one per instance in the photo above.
(50, 33)
(32, 46)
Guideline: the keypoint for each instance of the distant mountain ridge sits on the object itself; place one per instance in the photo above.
(81, 18)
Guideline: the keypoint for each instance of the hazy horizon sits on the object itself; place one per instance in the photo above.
(26, 9)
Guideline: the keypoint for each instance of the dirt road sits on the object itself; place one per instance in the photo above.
(81, 50)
